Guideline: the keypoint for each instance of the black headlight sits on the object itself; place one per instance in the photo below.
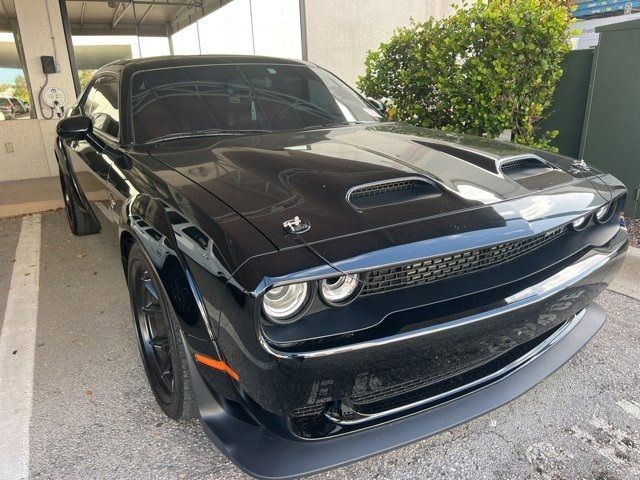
(284, 303)
(340, 290)
(604, 213)
(581, 222)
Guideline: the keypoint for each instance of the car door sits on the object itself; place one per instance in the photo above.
(91, 167)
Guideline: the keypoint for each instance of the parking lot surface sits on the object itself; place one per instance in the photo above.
(92, 414)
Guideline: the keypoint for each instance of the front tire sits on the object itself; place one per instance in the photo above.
(80, 222)
(163, 353)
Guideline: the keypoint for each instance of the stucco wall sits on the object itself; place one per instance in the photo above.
(339, 32)
(42, 33)
(26, 146)
(32, 144)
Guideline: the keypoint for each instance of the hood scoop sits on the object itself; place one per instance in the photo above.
(478, 159)
(521, 167)
(532, 172)
(391, 192)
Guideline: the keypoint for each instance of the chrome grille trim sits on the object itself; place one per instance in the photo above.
(447, 266)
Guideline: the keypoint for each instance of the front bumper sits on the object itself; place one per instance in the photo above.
(265, 454)
(261, 453)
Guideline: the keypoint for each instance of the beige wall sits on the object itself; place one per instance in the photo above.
(340, 32)
(26, 146)
(32, 143)
(41, 37)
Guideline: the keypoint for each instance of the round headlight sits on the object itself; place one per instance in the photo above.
(603, 214)
(340, 290)
(281, 304)
(580, 223)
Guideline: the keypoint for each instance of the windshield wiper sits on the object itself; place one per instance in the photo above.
(338, 124)
(211, 132)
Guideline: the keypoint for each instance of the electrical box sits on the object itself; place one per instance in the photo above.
(48, 64)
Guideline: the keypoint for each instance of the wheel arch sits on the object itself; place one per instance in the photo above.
(169, 262)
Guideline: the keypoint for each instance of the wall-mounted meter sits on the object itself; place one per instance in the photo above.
(54, 97)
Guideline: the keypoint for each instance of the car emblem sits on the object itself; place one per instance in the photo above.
(296, 225)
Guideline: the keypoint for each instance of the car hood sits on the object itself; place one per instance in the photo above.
(274, 177)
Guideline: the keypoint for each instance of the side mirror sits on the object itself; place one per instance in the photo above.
(78, 127)
(378, 105)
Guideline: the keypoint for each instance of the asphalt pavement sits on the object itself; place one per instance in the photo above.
(92, 415)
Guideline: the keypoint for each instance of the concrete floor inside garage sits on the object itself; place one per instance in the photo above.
(93, 415)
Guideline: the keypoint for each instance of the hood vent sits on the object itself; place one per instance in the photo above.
(524, 167)
(391, 192)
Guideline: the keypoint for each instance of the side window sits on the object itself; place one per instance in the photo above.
(101, 105)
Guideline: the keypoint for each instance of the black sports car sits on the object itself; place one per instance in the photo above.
(321, 285)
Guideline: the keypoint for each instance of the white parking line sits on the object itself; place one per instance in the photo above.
(631, 407)
(17, 352)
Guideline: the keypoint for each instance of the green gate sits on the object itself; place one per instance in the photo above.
(611, 130)
(596, 106)
(568, 105)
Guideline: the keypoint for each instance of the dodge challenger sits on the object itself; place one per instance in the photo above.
(316, 283)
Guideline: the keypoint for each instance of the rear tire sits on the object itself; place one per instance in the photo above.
(80, 222)
(163, 353)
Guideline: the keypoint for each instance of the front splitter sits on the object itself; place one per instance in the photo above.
(262, 454)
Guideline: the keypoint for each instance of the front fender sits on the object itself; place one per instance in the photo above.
(144, 219)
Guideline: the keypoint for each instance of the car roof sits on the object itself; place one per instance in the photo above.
(152, 63)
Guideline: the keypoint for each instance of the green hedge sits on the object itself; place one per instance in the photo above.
(487, 68)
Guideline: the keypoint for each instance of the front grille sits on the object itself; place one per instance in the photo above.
(379, 188)
(405, 393)
(447, 266)
(394, 391)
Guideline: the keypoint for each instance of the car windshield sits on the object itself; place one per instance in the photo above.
(15, 102)
(240, 98)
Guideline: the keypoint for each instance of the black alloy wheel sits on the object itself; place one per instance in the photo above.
(162, 352)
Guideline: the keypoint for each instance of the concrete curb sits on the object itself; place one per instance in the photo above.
(627, 281)
(22, 197)
(19, 209)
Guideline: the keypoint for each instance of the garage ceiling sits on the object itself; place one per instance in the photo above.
(128, 17)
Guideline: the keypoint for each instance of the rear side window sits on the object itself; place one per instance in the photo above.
(4, 102)
(101, 105)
